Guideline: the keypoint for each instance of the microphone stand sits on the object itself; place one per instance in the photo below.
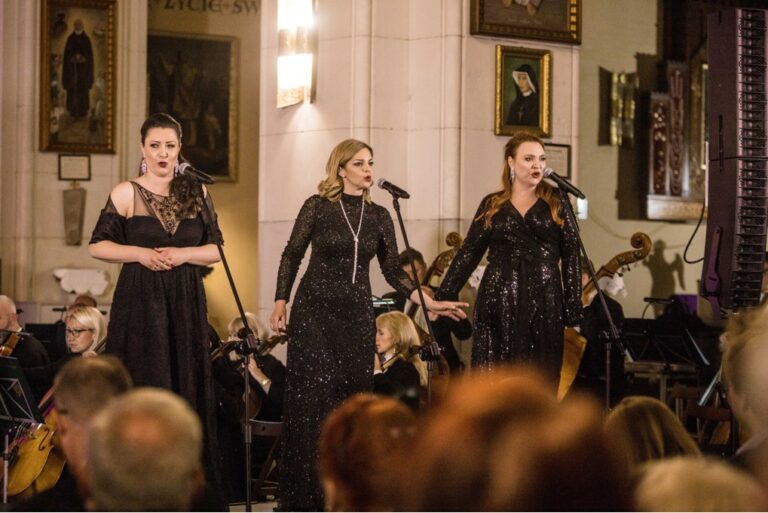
(430, 350)
(248, 337)
(613, 336)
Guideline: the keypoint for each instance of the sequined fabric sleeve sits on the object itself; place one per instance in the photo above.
(571, 269)
(468, 257)
(387, 255)
(294, 251)
(110, 226)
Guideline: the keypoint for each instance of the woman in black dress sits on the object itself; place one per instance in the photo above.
(154, 226)
(524, 300)
(332, 329)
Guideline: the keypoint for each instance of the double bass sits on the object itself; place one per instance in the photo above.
(574, 342)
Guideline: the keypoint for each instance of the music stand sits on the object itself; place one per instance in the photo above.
(17, 406)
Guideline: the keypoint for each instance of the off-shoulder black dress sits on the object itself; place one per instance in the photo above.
(158, 324)
(524, 301)
(332, 328)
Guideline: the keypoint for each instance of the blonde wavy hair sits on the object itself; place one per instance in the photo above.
(543, 190)
(333, 185)
(404, 336)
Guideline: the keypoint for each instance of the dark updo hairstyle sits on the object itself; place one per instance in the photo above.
(183, 187)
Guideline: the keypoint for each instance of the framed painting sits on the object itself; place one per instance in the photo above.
(559, 159)
(546, 20)
(193, 78)
(523, 91)
(77, 76)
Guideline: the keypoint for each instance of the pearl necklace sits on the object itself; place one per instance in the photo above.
(355, 236)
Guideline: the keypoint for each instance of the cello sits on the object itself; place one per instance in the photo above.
(574, 342)
(37, 459)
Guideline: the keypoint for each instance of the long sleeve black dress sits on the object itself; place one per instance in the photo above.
(523, 302)
(332, 329)
(158, 323)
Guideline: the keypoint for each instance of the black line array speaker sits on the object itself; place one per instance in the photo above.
(738, 158)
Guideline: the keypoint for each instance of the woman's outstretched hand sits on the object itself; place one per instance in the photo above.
(452, 309)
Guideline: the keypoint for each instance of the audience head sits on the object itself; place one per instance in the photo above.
(697, 484)
(86, 327)
(646, 429)
(144, 453)
(744, 339)
(501, 441)
(8, 319)
(83, 387)
(360, 448)
(396, 333)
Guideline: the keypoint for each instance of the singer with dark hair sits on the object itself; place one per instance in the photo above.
(524, 300)
(154, 225)
(332, 329)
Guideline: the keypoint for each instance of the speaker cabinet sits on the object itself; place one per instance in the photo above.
(738, 159)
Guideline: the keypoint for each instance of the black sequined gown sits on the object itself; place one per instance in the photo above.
(158, 325)
(332, 327)
(523, 303)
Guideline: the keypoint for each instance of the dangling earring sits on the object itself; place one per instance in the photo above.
(143, 167)
(176, 169)
(511, 175)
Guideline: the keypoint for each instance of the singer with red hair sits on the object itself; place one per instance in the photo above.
(524, 300)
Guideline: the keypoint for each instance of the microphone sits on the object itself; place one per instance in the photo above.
(563, 183)
(185, 168)
(393, 189)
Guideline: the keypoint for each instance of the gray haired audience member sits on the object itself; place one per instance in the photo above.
(83, 386)
(697, 484)
(144, 453)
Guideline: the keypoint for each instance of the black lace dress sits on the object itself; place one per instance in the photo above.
(332, 327)
(158, 324)
(524, 301)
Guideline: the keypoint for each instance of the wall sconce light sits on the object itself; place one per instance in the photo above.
(296, 65)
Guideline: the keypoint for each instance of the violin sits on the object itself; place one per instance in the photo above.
(406, 354)
(10, 343)
(574, 342)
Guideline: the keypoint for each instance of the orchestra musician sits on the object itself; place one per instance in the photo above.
(398, 371)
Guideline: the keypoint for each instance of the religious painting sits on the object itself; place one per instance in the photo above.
(523, 91)
(193, 78)
(547, 20)
(77, 74)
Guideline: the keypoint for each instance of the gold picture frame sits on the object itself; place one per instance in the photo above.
(523, 91)
(193, 77)
(545, 20)
(77, 76)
